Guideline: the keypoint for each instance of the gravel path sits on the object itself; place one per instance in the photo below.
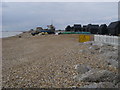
(45, 61)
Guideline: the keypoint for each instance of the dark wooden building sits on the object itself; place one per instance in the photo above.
(77, 27)
(84, 28)
(114, 28)
(103, 29)
(68, 28)
(93, 29)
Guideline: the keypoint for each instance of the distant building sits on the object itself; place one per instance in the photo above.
(103, 29)
(77, 27)
(84, 28)
(114, 28)
(68, 28)
(93, 28)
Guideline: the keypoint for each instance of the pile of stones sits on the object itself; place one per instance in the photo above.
(96, 78)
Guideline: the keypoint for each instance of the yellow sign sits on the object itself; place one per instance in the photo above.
(84, 38)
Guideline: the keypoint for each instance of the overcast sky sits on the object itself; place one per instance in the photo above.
(26, 16)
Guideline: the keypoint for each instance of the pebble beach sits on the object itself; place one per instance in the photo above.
(48, 61)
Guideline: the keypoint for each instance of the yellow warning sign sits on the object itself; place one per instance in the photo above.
(84, 38)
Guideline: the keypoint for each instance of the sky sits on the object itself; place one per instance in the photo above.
(20, 16)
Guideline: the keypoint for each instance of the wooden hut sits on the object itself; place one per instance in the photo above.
(103, 29)
(84, 28)
(114, 28)
(77, 27)
(68, 28)
(93, 29)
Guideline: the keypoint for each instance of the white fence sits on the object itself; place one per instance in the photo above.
(114, 40)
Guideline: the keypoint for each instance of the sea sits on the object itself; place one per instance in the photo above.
(8, 34)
